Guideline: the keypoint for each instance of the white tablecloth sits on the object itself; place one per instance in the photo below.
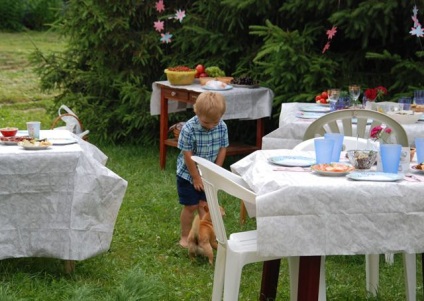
(291, 129)
(242, 103)
(60, 203)
(302, 214)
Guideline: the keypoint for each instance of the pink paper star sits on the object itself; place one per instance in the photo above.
(417, 31)
(159, 26)
(160, 7)
(166, 38)
(332, 32)
(179, 15)
(326, 47)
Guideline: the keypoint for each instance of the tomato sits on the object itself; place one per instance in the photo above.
(200, 69)
(318, 98)
(323, 100)
(324, 95)
(203, 74)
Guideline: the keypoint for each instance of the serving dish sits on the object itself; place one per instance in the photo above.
(62, 141)
(292, 161)
(375, 176)
(405, 117)
(13, 140)
(246, 86)
(35, 144)
(332, 169)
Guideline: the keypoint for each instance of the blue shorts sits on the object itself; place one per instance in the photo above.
(189, 196)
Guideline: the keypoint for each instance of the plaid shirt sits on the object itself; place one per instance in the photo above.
(201, 142)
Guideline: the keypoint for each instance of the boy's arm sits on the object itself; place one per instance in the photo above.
(192, 169)
(221, 156)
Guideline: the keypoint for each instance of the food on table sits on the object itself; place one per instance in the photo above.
(204, 80)
(9, 131)
(215, 84)
(13, 139)
(420, 166)
(322, 98)
(244, 81)
(362, 159)
(214, 71)
(332, 167)
(180, 75)
(200, 71)
(35, 143)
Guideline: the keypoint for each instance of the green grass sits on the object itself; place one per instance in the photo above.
(144, 261)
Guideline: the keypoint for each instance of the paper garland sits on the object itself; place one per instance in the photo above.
(159, 25)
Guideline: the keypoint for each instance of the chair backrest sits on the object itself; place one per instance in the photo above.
(342, 122)
(216, 178)
(348, 144)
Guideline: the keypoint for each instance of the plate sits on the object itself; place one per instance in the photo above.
(12, 140)
(62, 141)
(332, 169)
(374, 176)
(245, 86)
(292, 161)
(309, 115)
(315, 108)
(35, 147)
(414, 167)
(228, 87)
(421, 118)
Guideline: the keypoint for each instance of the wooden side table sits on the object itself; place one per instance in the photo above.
(184, 95)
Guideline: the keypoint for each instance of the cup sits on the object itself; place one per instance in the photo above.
(390, 157)
(406, 101)
(338, 145)
(419, 97)
(33, 128)
(323, 150)
(419, 149)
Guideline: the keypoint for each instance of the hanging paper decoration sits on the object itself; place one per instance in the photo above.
(159, 25)
(179, 15)
(330, 35)
(166, 38)
(416, 30)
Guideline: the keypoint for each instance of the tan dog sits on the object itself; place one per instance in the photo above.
(201, 238)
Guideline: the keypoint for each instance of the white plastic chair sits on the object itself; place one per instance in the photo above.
(240, 248)
(342, 122)
(73, 123)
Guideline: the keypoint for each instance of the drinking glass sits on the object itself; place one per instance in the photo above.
(333, 97)
(419, 97)
(406, 101)
(354, 92)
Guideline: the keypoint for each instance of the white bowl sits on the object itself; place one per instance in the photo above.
(405, 117)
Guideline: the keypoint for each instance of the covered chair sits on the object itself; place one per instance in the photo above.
(343, 121)
(240, 248)
(72, 122)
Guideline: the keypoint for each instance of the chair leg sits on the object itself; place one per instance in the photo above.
(322, 285)
(232, 278)
(219, 274)
(390, 258)
(372, 272)
(410, 270)
(243, 213)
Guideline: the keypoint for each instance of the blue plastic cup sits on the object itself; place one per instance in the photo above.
(406, 101)
(338, 145)
(419, 97)
(323, 150)
(390, 157)
(419, 149)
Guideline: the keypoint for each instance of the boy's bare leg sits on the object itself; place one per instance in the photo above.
(186, 218)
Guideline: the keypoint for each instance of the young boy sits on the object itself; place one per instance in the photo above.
(205, 135)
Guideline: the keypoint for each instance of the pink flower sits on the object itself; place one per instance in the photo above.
(380, 133)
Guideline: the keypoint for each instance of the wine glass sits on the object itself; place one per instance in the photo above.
(354, 92)
(333, 97)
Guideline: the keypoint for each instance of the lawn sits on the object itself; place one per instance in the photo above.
(144, 261)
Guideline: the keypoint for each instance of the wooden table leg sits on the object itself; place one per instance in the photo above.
(260, 130)
(270, 273)
(163, 130)
(309, 270)
(69, 266)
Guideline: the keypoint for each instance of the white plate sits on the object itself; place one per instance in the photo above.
(246, 86)
(374, 176)
(414, 167)
(421, 118)
(315, 108)
(228, 87)
(62, 141)
(309, 115)
(347, 169)
(35, 147)
(292, 161)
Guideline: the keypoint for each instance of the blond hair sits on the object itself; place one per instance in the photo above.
(210, 104)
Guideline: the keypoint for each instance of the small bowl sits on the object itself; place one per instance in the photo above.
(225, 79)
(204, 80)
(405, 117)
(8, 132)
(362, 159)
